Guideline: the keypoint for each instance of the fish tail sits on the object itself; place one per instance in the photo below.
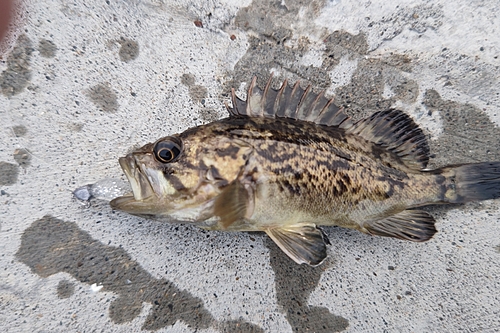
(471, 182)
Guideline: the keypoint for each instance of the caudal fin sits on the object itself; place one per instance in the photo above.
(472, 182)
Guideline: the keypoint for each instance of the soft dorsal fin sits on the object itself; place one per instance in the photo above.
(397, 132)
(288, 102)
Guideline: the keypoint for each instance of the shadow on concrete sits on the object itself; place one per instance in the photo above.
(51, 246)
(294, 284)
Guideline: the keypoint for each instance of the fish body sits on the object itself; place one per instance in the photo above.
(287, 161)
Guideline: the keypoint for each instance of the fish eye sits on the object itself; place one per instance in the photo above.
(167, 150)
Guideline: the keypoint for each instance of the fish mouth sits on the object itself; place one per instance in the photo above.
(139, 182)
(142, 195)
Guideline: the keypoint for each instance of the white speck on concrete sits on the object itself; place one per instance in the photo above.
(95, 288)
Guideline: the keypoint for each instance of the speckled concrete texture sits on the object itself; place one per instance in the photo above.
(84, 82)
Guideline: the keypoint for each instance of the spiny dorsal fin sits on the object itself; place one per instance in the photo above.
(395, 131)
(304, 243)
(412, 225)
(288, 102)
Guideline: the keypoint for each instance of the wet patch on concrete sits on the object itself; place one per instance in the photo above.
(268, 53)
(418, 18)
(400, 61)
(47, 48)
(367, 89)
(50, 246)
(263, 58)
(253, 18)
(470, 76)
(75, 127)
(237, 326)
(274, 19)
(208, 115)
(198, 93)
(341, 43)
(22, 157)
(294, 284)
(366, 93)
(468, 133)
(187, 79)
(16, 77)
(65, 289)
(19, 130)
(129, 49)
(103, 97)
(8, 173)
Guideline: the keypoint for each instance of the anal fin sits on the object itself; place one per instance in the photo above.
(412, 225)
(303, 243)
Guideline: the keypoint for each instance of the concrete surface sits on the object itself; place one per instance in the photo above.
(83, 82)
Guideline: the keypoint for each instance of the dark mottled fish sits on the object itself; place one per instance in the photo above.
(288, 160)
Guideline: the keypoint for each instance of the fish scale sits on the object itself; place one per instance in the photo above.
(287, 161)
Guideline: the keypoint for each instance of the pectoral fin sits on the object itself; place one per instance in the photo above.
(412, 225)
(232, 204)
(302, 243)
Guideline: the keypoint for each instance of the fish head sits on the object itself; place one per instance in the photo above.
(180, 175)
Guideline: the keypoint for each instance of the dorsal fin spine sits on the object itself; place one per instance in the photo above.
(302, 100)
(280, 96)
(314, 103)
(249, 109)
(234, 110)
(296, 87)
(265, 93)
(327, 106)
(276, 101)
(269, 99)
(268, 85)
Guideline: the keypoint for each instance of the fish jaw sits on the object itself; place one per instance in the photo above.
(150, 189)
(129, 204)
(141, 187)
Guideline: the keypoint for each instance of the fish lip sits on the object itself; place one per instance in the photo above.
(120, 202)
(139, 182)
(129, 204)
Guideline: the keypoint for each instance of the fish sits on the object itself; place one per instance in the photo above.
(287, 161)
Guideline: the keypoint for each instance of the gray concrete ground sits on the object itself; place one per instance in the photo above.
(83, 82)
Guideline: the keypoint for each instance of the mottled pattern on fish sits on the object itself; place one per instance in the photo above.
(288, 160)
(318, 171)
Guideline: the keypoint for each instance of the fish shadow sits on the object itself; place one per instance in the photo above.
(50, 246)
(294, 284)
